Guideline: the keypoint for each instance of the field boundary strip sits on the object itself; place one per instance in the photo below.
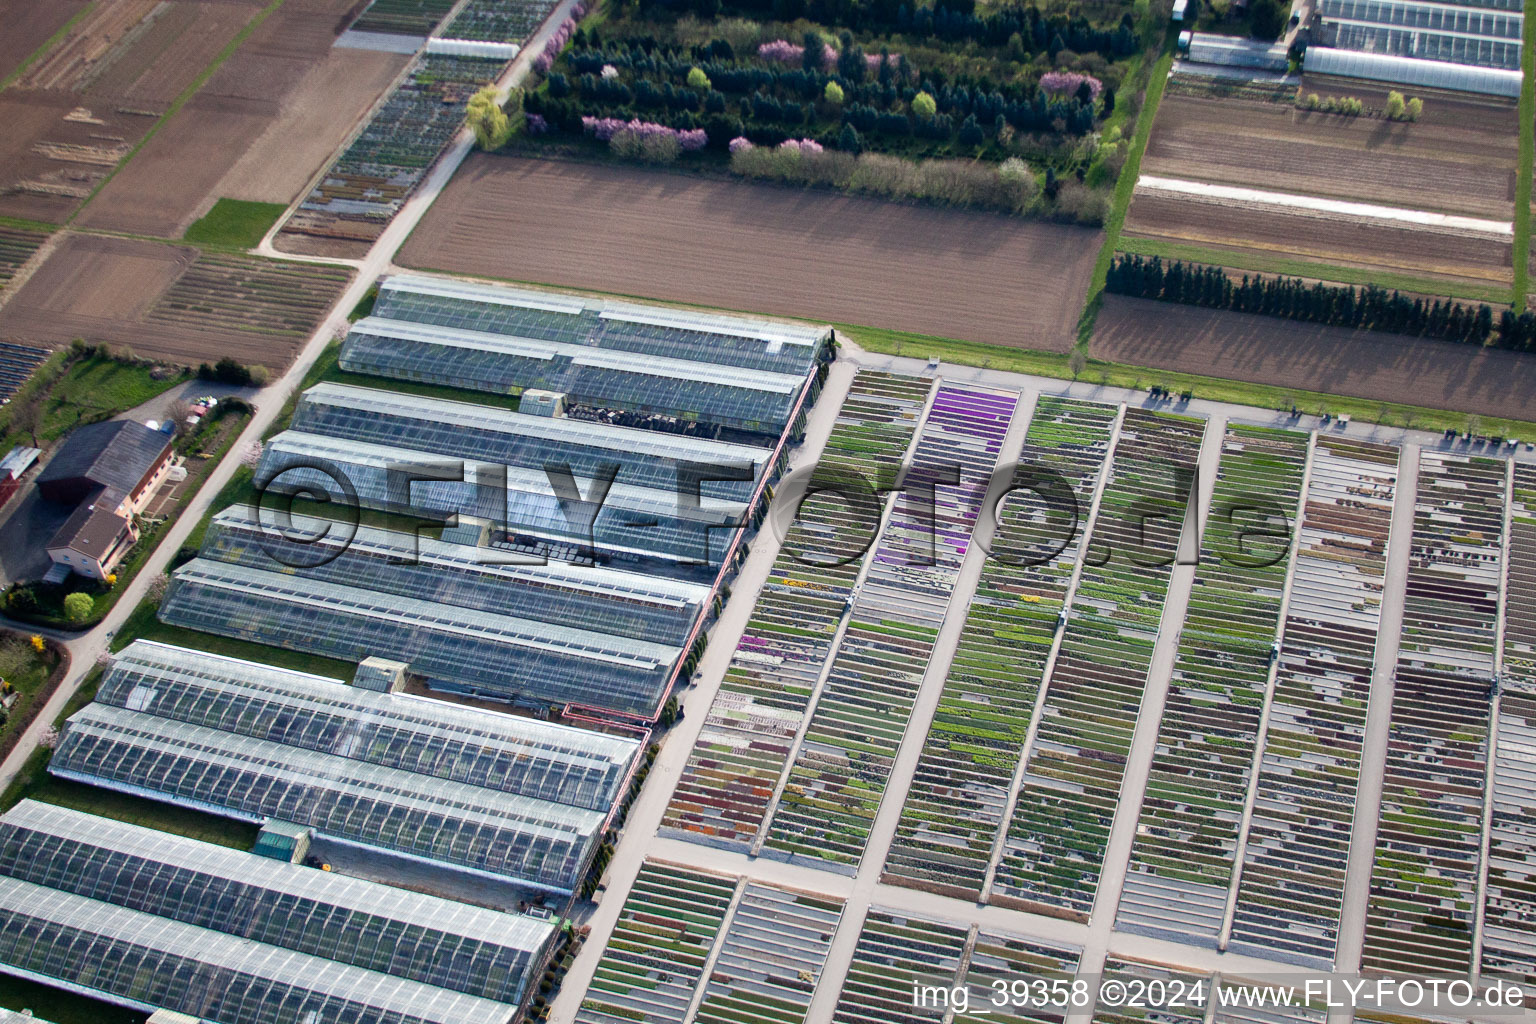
(1527, 161)
(48, 44)
(1125, 188)
(180, 101)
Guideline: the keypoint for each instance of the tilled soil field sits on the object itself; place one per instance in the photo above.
(258, 129)
(82, 107)
(171, 302)
(28, 25)
(1321, 238)
(1460, 157)
(1310, 357)
(761, 248)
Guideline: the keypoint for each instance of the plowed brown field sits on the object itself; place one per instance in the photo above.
(258, 129)
(761, 248)
(171, 302)
(1460, 157)
(1284, 353)
(28, 25)
(82, 107)
(1322, 238)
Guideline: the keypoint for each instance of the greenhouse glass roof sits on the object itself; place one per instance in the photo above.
(512, 754)
(738, 398)
(594, 598)
(534, 842)
(636, 522)
(147, 962)
(453, 946)
(1431, 74)
(468, 430)
(457, 648)
(604, 323)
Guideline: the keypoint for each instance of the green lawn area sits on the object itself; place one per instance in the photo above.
(27, 671)
(89, 388)
(1264, 264)
(235, 224)
(60, 1007)
(1050, 364)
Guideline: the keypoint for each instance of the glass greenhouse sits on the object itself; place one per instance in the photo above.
(459, 649)
(1479, 36)
(533, 842)
(632, 522)
(594, 380)
(576, 320)
(1430, 74)
(592, 597)
(645, 458)
(412, 936)
(516, 755)
(146, 962)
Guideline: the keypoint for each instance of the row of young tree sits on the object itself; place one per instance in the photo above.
(954, 20)
(1370, 307)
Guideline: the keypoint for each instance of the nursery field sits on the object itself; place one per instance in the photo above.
(1058, 831)
(762, 248)
(173, 303)
(1291, 891)
(952, 752)
(732, 775)
(258, 129)
(403, 17)
(1182, 862)
(1424, 887)
(499, 21)
(837, 781)
(1312, 357)
(1459, 157)
(366, 185)
(962, 786)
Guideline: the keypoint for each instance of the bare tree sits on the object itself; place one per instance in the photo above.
(26, 417)
(178, 413)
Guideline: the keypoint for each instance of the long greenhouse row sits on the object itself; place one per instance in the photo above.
(1509, 928)
(1059, 831)
(474, 791)
(1424, 885)
(767, 946)
(480, 433)
(835, 786)
(1291, 888)
(1181, 865)
(961, 786)
(131, 915)
(745, 342)
(734, 768)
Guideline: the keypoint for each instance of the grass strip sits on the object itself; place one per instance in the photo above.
(1527, 114)
(1264, 264)
(235, 224)
(1125, 188)
(181, 100)
(53, 41)
(1216, 389)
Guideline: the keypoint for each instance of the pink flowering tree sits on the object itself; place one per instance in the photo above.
(781, 50)
(1067, 83)
(740, 144)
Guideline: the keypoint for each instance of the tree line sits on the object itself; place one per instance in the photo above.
(1370, 307)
